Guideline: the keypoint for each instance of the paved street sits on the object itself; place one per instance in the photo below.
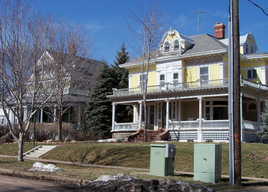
(18, 184)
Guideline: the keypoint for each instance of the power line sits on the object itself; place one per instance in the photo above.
(198, 12)
(259, 7)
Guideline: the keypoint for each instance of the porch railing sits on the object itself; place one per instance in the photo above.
(206, 124)
(250, 125)
(185, 86)
(186, 125)
(126, 126)
(172, 86)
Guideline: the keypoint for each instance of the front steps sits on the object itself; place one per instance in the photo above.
(39, 151)
(151, 136)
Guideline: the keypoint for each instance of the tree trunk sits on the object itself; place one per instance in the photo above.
(60, 128)
(20, 147)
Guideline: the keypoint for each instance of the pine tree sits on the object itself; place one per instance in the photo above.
(123, 113)
(122, 74)
(263, 133)
(98, 107)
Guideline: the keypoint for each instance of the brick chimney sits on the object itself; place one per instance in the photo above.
(219, 30)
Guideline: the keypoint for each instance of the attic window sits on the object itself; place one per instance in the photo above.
(166, 46)
(252, 50)
(247, 52)
(176, 45)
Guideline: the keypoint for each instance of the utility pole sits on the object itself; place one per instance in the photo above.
(236, 93)
(198, 12)
(230, 94)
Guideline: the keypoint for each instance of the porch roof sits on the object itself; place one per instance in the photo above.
(185, 90)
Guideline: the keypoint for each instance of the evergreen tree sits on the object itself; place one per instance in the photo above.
(123, 113)
(122, 74)
(98, 107)
(263, 133)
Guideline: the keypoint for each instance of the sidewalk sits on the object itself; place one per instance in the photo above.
(254, 189)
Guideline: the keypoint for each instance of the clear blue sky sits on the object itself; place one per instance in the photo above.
(105, 19)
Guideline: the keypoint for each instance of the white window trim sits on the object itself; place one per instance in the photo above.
(252, 49)
(208, 71)
(173, 47)
(250, 69)
(247, 46)
(169, 46)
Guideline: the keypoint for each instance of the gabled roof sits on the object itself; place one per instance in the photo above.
(88, 64)
(243, 40)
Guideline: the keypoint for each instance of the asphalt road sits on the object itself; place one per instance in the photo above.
(18, 184)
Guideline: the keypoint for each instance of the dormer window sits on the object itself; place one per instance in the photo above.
(176, 45)
(252, 50)
(247, 52)
(166, 46)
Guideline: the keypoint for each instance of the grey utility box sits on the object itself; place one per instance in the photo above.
(162, 159)
(207, 162)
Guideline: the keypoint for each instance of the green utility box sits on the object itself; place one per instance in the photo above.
(162, 159)
(207, 162)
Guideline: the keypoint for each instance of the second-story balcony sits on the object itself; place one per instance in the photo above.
(188, 86)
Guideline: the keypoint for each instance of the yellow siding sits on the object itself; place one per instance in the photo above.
(135, 81)
(135, 70)
(191, 74)
(244, 73)
(246, 64)
(138, 69)
(214, 72)
(152, 78)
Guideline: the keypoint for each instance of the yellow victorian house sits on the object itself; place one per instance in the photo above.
(187, 92)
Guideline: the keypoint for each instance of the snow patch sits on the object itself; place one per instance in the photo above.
(119, 176)
(38, 166)
(107, 140)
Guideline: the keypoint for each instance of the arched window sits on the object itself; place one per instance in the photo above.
(176, 45)
(252, 50)
(247, 52)
(166, 47)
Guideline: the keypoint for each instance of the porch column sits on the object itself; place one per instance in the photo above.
(69, 115)
(179, 114)
(41, 115)
(140, 115)
(241, 117)
(11, 117)
(199, 132)
(25, 113)
(259, 109)
(79, 117)
(155, 116)
(263, 71)
(113, 116)
(134, 113)
(55, 114)
(167, 114)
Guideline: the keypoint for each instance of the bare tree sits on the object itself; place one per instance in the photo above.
(23, 33)
(69, 70)
(151, 26)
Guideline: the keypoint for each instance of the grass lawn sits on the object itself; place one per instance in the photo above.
(254, 160)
